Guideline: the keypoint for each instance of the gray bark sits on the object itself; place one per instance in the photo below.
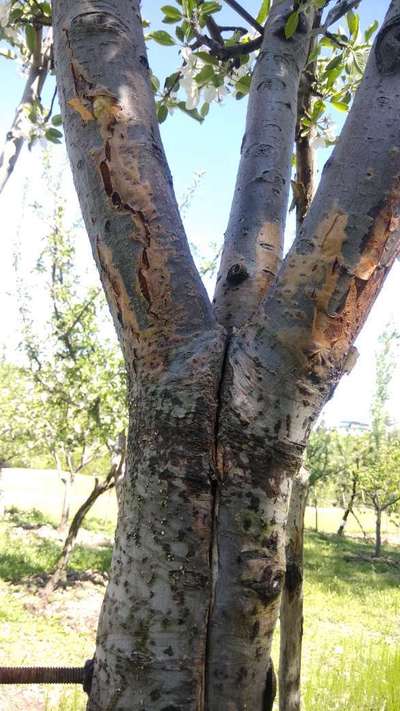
(218, 426)
(253, 245)
(291, 613)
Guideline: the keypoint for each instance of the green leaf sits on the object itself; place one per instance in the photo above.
(371, 30)
(291, 24)
(189, 6)
(30, 38)
(207, 8)
(171, 13)
(57, 120)
(353, 23)
(162, 37)
(205, 75)
(193, 113)
(207, 58)
(243, 85)
(162, 113)
(46, 8)
(172, 80)
(263, 11)
(53, 135)
(340, 106)
(204, 109)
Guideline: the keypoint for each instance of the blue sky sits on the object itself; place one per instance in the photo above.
(212, 148)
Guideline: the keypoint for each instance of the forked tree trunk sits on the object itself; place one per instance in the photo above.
(291, 615)
(218, 419)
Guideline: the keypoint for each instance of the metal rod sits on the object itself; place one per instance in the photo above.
(49, 675)
(41, 675)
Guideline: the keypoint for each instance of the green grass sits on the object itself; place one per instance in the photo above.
(351, 659)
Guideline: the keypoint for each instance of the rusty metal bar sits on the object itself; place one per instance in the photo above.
(49, 675)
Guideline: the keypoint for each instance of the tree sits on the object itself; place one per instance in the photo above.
(222, 396)
(76, 377)
(380, 479)
(349, 457)
(319, 464)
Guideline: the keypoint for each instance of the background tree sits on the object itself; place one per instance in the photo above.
(381, 471)
(349, 451)
(77, 405)
(222, 398)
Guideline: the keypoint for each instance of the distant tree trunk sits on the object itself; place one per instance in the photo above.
(67, 481)
(315, 503)
(291, 615)
(349, 507)
(378, 530)
(60, 572)
(362, 529)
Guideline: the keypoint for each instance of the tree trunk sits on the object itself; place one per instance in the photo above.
(218, 420)
(291, 614)
(67, 481)
(315, 515)
(378, 531)
(60, 572)
(349, 507)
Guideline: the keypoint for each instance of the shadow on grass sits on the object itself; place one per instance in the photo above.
(325, 564)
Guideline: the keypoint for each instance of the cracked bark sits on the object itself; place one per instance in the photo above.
(219, 425)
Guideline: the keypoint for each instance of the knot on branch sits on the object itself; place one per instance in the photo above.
(387, 48)
(237, 274)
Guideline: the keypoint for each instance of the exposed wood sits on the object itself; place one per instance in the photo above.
(123, 180)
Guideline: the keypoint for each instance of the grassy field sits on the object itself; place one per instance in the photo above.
(352, 612)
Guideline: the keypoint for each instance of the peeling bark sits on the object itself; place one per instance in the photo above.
(253, 245)
(123, 180)
(291, 613)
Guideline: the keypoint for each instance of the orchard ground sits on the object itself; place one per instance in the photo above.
(351, 658)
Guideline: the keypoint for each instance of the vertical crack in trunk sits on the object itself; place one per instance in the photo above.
(216, 473)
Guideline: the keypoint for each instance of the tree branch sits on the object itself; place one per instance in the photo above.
(253, 244)
(305, 181)
(123, 179)
(15, 139)
(332, 274)
(246, 15)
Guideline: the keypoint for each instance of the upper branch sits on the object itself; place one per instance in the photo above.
(122, 177)
(338, 263)
(253, 244)
(305, 182)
